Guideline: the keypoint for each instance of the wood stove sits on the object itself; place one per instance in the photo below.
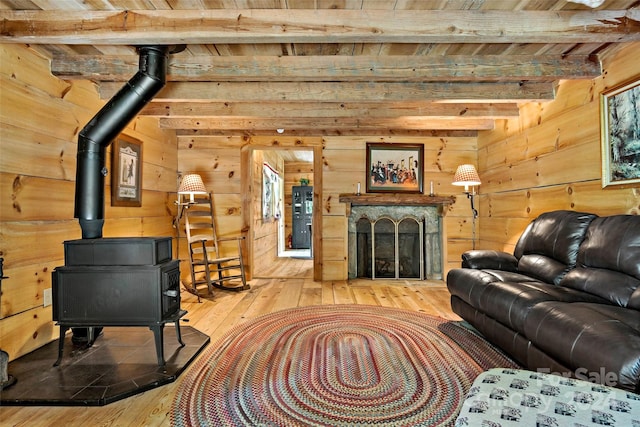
(117, 282)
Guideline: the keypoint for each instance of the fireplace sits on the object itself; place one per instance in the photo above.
(390, 249)
(395, 236)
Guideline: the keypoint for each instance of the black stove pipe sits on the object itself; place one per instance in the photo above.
(105, 126)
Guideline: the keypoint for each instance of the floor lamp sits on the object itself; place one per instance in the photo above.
(467, 176)
(191, 185)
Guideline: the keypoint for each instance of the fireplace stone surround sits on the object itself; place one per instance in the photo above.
(417, 212)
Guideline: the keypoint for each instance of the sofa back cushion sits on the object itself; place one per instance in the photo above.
(542, 268)
(548, 248)
(608, 263)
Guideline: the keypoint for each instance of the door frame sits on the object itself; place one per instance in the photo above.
(246, 155)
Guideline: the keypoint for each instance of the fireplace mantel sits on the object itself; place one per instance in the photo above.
(404, 199)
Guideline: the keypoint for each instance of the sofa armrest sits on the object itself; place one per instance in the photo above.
(489, 259)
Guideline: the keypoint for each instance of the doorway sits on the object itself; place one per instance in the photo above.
(275, 257)
(295, 237)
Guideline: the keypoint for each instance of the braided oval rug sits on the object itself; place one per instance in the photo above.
(335, 365)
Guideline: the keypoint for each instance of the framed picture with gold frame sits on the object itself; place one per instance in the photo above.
(620, 134)
(126, 172)
(394, 167)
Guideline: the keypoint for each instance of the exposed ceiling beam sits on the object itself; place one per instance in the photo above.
(374, 124)
(185, 136)
(329, 109)
(126, 27)
(184, 67)
(347, 91)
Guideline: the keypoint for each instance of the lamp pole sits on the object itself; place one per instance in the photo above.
(467, 176)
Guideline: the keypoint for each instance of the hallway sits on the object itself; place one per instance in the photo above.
(288, 267)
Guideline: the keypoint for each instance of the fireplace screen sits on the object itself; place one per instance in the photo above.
(390, 249)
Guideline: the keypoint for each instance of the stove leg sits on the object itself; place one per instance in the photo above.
(159, 338)
(91, 336)
(63, 331)
(178, 335)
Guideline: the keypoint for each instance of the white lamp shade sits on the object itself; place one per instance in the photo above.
(466, 175)
(192, 184)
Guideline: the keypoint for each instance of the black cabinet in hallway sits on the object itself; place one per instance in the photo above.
(302, 206)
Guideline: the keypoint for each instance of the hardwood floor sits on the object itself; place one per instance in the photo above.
(216, 315)
(286, 267)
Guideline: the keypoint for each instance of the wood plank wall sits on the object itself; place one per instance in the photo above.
(343, 160)
(217, 161)
(233, 172)
(40, 117)
(265, 233)
(344, 166)
(550, 158)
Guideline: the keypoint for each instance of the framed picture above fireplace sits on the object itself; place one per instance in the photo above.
(126, 172)
(394, 168)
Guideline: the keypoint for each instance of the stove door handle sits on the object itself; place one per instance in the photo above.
(171, 293)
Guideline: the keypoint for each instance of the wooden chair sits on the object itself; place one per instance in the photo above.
(208, 266)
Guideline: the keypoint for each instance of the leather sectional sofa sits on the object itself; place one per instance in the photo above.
(567, 300)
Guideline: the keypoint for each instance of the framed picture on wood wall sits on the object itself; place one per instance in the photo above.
(394, 168)
(270, 193)
(620, 134)
(126, 172)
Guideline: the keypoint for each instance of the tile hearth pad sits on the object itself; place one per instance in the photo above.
(121, 363)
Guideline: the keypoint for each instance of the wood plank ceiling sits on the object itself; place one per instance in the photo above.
(329, 67)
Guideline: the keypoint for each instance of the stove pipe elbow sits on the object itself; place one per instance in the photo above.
(104, 127)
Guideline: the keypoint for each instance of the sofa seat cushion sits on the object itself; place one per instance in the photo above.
(510, 302)
(592, 339)
(510, 276)
(469, 284)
